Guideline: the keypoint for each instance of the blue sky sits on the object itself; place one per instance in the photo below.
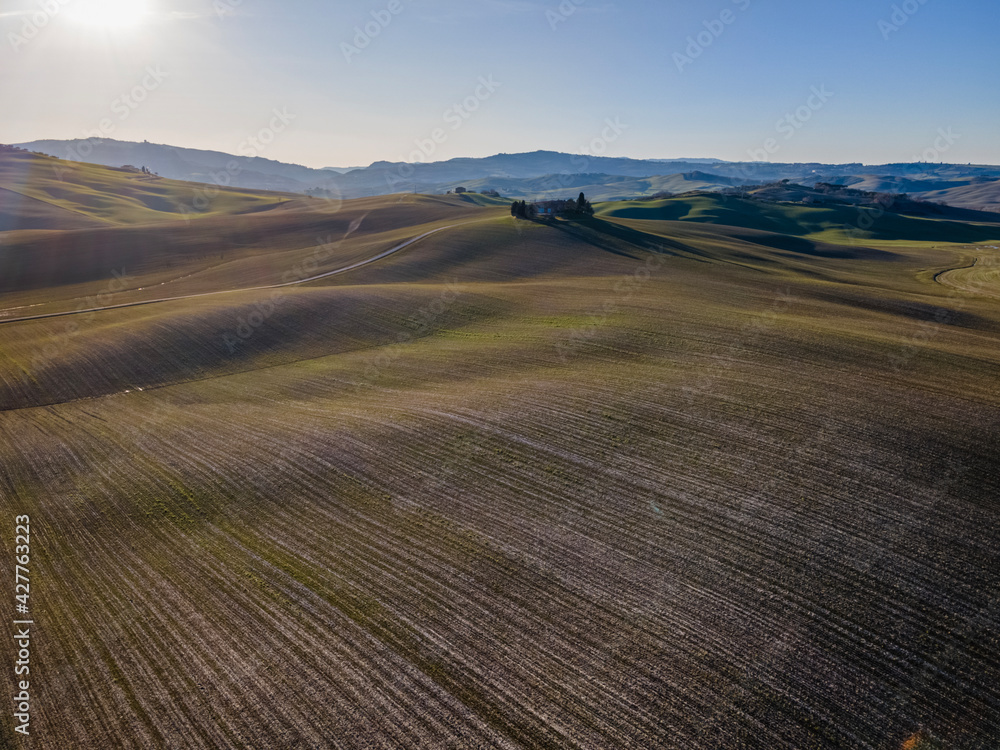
(786, 80)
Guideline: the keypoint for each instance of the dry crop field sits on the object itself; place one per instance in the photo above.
(659, 479)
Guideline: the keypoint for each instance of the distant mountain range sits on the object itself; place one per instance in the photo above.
(535, 175)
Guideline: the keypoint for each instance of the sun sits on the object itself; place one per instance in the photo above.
(110, 14)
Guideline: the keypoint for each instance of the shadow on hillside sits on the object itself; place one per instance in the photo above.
(944, 224)
(812, 248)
(932, 314)
(622, 240)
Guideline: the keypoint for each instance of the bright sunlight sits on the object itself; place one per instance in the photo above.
(110, 14)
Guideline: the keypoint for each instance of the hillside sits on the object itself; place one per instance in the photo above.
(536, 175)
(704, 472)
(831, 223)
(981, 195)
(976, 193)
(41, 192)
(599, 187)
(890, 184)
(194, 165)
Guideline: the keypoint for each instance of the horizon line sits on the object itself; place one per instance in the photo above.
(687, 159)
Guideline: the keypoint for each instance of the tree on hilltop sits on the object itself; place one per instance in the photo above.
(523, 210)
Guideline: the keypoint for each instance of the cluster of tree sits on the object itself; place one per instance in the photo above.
(141, 170)
(319, 192)
(523, 210)
(580, 207)
(5, 149)
(463, 191)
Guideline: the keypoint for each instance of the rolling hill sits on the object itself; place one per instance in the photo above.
(42, 192)
(599, 187)
(536, 175)
(981, 195)
(977, 193)
(694, 473)
(833, 223)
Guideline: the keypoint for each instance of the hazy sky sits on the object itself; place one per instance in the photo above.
(786, 80)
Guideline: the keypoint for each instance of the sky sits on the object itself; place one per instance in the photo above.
(347, 83)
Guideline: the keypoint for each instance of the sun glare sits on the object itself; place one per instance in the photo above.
(110, 14)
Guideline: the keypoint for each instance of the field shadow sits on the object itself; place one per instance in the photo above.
(812, 248)
(621, 240)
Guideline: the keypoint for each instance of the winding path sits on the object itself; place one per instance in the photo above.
(344, 269)
(981, 277)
